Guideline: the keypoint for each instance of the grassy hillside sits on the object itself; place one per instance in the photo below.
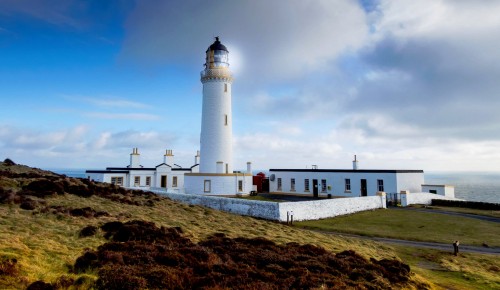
(42, 216)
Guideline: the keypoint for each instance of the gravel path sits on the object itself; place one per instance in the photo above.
(431, 245)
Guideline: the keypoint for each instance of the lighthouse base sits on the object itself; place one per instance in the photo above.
(218, 184)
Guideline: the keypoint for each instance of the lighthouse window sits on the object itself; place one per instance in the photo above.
(380, 184)
(137, 180)
(148, 180)
(174, 181)
(206, 186)
(240, 185)
(225, 88)
(225, 120)
(306, 184)
(279, 184)
(292, 184)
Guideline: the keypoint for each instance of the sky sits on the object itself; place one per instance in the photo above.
(402, 84)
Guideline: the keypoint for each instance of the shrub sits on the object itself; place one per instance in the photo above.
(29, 204)
(40, 285)
(44, 187)
(9, 267)
(9, 162)
(466, 204)
(87, 231)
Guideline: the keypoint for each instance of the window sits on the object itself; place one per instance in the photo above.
(225, 120)
(347, 184)
(206, 186)
(306, 184)
(433, 191)
(174, 181)
(148, 180)
(292, 184)
(380, 184)
(117, 180)
(323, 185)
(225, 88)
(137, 180)
(240, 185)
(279, 184)
(163, 181)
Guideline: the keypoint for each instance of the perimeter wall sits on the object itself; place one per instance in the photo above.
(278, 211)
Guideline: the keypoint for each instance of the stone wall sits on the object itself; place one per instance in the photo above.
(320, 209)
(305, 210)
(421, 198)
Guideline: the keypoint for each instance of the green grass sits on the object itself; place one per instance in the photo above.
(467, 271)
(412, 225)
(491, 213)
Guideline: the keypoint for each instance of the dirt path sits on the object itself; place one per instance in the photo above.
(431, 245)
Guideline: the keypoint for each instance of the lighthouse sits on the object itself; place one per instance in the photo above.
(216, 122)
(216, 175)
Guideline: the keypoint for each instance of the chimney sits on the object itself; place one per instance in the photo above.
(197, 158)
(355, 163)
(135, 158)
(249, 167)
(168, 158)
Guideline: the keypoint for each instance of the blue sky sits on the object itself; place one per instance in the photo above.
(402, 84)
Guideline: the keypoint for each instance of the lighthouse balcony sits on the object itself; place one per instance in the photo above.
(216, 73)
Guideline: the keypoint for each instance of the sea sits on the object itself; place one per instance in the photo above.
(473, 186)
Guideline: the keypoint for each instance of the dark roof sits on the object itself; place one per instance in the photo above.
(217, 45)
(128, 168)
(106, 171)
(350, 170)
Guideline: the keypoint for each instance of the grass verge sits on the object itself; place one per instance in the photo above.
(412, 225)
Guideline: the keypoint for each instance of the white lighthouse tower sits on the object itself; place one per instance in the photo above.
(216, 175)
(216, 123)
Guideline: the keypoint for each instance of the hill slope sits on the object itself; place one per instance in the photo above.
(73, 233)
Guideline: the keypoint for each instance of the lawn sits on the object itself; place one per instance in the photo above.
(492, 213)
(412, 225)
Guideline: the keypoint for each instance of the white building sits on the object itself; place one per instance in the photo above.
(167, 175)
(216, 176)
(351, 182)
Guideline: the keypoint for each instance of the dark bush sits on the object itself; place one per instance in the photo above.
(29, 204)
(40, 285)
(80, 190)
(466, 204)
(88, 231)
(44, 187)
(9, 196)
(9, 267)
(9, 162)
(63, 282)
(87, 212)
(145, 256)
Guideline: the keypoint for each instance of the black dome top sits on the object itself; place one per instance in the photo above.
(217, 45)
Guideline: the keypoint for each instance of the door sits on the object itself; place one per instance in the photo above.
(164, 181)
(364, 191)
(315, 187)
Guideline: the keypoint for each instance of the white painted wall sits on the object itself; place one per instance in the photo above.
(393, 182)
(421, 198)
(444, 190)
(216, 137)
(409, 181)
(307, 210)
(219, 184)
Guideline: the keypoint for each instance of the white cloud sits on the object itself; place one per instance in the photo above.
(108, 101)
(278, 40)
(122, 116)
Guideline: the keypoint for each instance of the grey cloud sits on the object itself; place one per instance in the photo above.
(278, 41)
